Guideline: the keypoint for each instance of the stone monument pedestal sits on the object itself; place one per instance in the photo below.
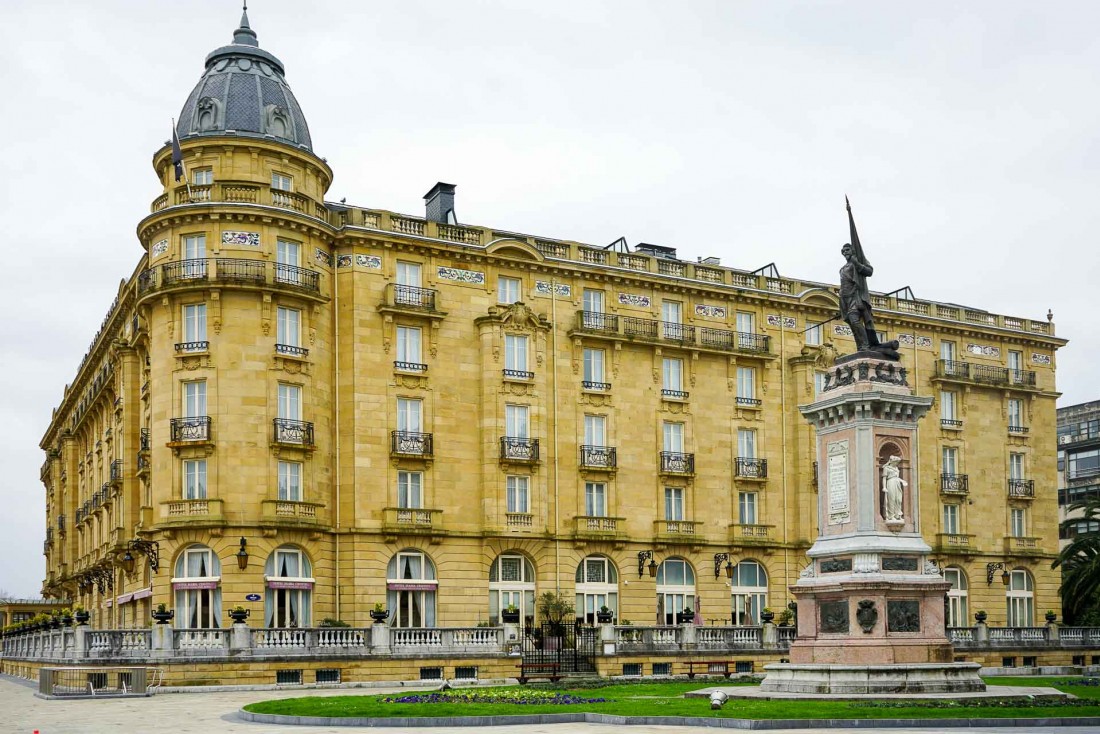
(871, 603)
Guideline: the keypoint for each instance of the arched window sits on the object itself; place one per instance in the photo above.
(197, 585)
(675, 590)
(289, 579)
(411, 590)
(957, 615)
(1021, 599)
(597, 586)
(749, 592)
(512, 581)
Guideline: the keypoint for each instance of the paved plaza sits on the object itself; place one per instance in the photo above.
(215, 712)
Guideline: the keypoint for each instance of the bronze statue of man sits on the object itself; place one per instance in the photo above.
(855, 299)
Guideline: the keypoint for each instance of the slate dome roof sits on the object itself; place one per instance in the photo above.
(243, 90)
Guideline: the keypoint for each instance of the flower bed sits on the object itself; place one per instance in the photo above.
(523, 697)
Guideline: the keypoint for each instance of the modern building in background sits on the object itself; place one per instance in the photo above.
(1078, 464)
(308, 408)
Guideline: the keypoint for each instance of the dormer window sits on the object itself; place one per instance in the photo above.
(202, 176)
(281, 182)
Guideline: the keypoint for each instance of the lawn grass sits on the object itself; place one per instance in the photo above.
(666, 699)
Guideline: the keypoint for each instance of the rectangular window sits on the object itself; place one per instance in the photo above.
(518, 494)
(515, 352)
(674, 503)
(290, 402)
(819, 383)
(515, 421)
(409, 489)
(194, 323)
(194, 399)
(813, 335)
(595, 430)
(1081, 464)
(194, 247)
(593, 300)
(947, 351)
(746, 322)
(951, 519)
(288, 253)
(290, 481)
(673, 371)
(408, 273)
(593, 365)
(194, 479)
(1015, 360)
(202, 176)
(508, 289)
(674, 437)
(948, 405)
(746, 383)
(1015, 413)
(595, 499)
(408, 344)
(746, 508)
(288, 327)
(950, 460)
(1015, 466)
(1018, 519)
(672, 312)
(281, 182)
(746, 443)
(408, 415)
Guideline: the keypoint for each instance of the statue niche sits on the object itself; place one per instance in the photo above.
(276, 121)
(893, 489)
(209, 115)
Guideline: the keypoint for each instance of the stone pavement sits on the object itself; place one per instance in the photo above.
(214, 713)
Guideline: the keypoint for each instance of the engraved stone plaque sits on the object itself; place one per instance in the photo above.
(903, 616)
(899, 563)
(836, 565)
(834, 616)
(839, 503)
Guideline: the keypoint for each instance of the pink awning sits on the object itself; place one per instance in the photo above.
(277, 584)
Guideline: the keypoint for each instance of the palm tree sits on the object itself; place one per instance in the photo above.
(1080, 561)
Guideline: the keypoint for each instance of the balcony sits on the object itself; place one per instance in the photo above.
(955, 544)
(1021, 489)
(233, 270)
(598, 323)
(522, 375)
(676, 332)
(1019, 546)
(947, 369)
(738, 341)
(408, 520)
(414, 297)
(635, 328)
(515, 449)
(678, 530)
(749, 402)
(600, 528)
(61, 525)
(750, 468)
(410, 367)
(667, 394)
(751, 534)
(598, 457)
(188, 347)
(291, 350)
(1018, 430)
(596, 386)
(143, 440)
(519, 520)
(955, 483)
(241, 192)
(296, 277)
(192, 429)
(192, 512)
(951, 424)
(287, 512)
(227, 271)
(674, 462)
(408, 443)
(286, 431)
(116, 471)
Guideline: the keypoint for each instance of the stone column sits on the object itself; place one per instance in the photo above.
(769, 636)
(379, 639)
(981, 633)
(81, 640)
(608, 638)
(1053, 635)
(240, 637)
(512, 640)
(687, 636)
(163, 640)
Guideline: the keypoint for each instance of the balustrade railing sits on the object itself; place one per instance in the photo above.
(293, 432)
(751, 468)
(195, 428)
(598, 457)
(674, 462)
(408, 443)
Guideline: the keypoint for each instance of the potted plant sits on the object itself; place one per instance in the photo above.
(510, 615)
(605, 615)
(980, 616)
(1051, 616)
(766, 615)
(785, 618)
(554, 608)
(80, 614)
(163, 614)
(55, 621)
(379, 614)
(238, 614)
(686, 616)
(67, 617)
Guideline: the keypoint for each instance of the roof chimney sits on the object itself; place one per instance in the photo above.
(439, 204)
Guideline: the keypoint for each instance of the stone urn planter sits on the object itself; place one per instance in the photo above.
(238, 615)
(767, 616)
(379, 615)
(82, 617)
(510, 616)
(685, 616)
(980, 617)
(164, 617)
(1051, 616)
(67, 620)
(604, 617)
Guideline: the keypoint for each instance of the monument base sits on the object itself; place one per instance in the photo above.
(915, 678)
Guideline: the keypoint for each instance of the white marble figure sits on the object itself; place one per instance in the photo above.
(892, 488)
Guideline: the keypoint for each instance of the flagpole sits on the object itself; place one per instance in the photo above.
(177, 158)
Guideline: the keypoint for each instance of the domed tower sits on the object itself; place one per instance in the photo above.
(234, 346)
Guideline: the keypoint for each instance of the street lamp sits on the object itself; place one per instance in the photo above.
(643, 556)
(718, 558)
(242, 555)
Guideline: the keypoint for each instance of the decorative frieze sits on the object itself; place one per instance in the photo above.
(542, 287)
(370, 262)
(925, 342)
(982, 350)
(241, 239)
(710, 312)
(343, 261)
(842, 329)
(159, 248)
(633, 299)
(1043, 359)
(322, 257)
(836, 565)
(782, 322)
(474, 277)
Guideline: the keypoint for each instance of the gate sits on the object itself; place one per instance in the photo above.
(571, 645)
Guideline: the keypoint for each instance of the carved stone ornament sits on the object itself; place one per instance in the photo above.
(931, 568)
(209, 115)
(834, 616)
(808, 572)
(867, 615)
(903, 616)
(276, 121)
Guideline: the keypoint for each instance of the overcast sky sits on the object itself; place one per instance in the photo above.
(965, 134)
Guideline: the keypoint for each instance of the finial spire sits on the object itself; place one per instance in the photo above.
(244, 35)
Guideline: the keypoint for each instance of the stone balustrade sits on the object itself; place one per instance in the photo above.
(981, 636)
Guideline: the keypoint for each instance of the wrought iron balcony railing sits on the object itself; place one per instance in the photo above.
(61, 524)
(634, 326)
(677, 332)
(116, 470)
(297, 277)
(592, 385)
(412, 296)
(194, 428)
(598, 457)
(1017, 429)
(199, 346)
(143, 440)
(750, 468)
(954, 483)
(1024, 488)
(953, 368)
(410, 366)
(951, 423)
(600, 322)
(985, 374)
(183, 270)
(291, 350)
(408, 443)
(674, 394)
(518, 375)
(675, 462)
(750, 402)
(293, 431)
(513, 448)
(241, 271)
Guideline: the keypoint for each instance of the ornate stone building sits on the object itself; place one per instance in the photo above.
(308, 408)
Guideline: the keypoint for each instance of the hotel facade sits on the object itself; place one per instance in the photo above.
(309, 408)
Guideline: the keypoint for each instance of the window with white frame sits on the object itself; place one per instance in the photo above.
(197, 586)
(408, 345)
(202, 176)
(674, 503)
(1015, 360)
(593, 300)
(593, 366)
(813, 335)
(819, 383)
(194, 256)
(746, 322)
(410, 490)
(512, 584)
(290, 402)
(947, 350)
(746, 443)
(518, 494)
(194, 479)
(746, 508)
(951, 519)
(950, 456)
(748, 593)
(411, 590)
(408, 273)
(289, 577)
(515, 353)
(515, 421)
(673, 437)
(281, 182)
(746, 384)
(1015, 466)
(194, 399)
(957, 597)
(508, 289)
(948, 405)
(288, 327)
(673, 375)
(290, 481)
(409, 414)
(194, 326)
(595, 430)
(672, 312)
(595, 499)
(1018, 522)
(597, 584)
(675, 590)
(288, 253)
(1020, 597)
(1015, 414)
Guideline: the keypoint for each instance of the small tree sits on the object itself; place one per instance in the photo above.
(1080, 562)
(554, 607)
